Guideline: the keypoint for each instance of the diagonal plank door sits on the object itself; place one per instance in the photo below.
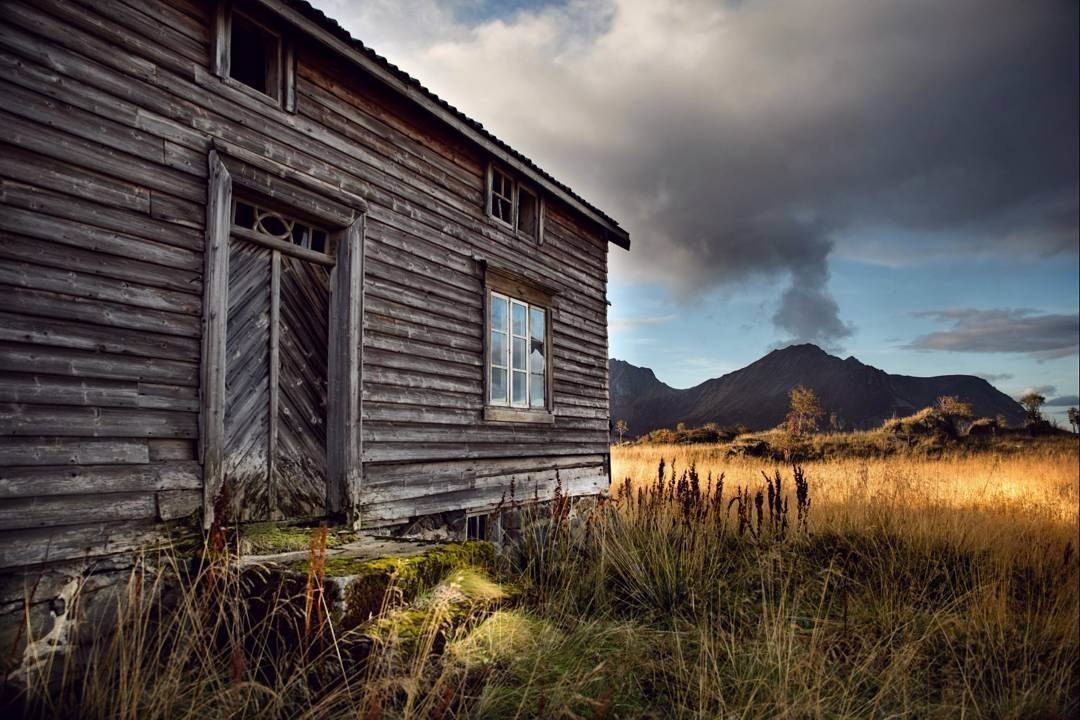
(276, 384)
(299, 467)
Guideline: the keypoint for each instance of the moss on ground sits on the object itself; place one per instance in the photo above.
(396, 580)
(270, 538)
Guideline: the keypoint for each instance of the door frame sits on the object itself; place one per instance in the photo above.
(343, 214)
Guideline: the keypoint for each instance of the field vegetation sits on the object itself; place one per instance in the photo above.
(709, 585)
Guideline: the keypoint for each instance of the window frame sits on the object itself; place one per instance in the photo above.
(516, 188)
(499, 282)
(284, 75)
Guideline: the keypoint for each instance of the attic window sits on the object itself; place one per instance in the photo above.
(515, 205)
(253, 53)
(528, 212)
(255, 56)
(502, 197)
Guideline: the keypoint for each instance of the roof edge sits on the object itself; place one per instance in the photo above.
(328, 32)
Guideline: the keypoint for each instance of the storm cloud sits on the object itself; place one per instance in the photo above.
(752, 143)
(1043, 336)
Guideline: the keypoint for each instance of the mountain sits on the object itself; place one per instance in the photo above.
(757, 395)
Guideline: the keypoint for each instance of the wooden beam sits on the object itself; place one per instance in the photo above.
(215, 317)
(344, 450)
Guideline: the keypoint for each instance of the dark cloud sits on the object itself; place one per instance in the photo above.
(1002, 331)
(749, 143)
(995, 377)
(1064, 401)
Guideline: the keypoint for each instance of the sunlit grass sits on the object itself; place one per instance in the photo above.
(916, 588)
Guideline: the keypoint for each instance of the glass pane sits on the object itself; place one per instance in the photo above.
(536, 340)
(498, 349)
(519, 354)
(520, 380)
(518, 316)
(318, 240)
(498, 386)
(498, 313)
(536, 390)
(536, 322)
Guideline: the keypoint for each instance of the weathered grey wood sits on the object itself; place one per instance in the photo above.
(345, 449)
(112, 206)
(248, 371)
(17, 357)
(283, 247)
(52, 390)
(274, 405)
(175, 504)
(161, 450)
(57, 255)
(66, 451)
(37, 512)
(75, 421)
(74, 542)
(77, 335)
(215, 318)
(300, 470)
(40, 481)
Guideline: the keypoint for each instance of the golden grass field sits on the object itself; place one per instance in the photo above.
(910, 587)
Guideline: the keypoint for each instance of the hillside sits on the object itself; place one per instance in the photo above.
(757, 395)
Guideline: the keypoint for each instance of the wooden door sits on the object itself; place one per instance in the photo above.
(274, 458)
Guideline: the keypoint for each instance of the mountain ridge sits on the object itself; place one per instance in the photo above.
(861, 396)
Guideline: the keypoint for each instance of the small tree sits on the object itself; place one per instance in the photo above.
(1033, 403)
(1074, 418)
(953, 411)
(621, 427)
(806, 411)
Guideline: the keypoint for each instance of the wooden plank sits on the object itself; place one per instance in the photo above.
(73, 421)
(176, 504)
(114, 231)
(16, 357)
(274, 408)
(345, 369)
(246, 439)
(161, 450)
(55, 255)
(33, 450)
(91, 479)
(80, 336)
(32, 168)
(215, 313)
(60, 145)
(38, 512)
(52, 390)
(21, 548)
(300, 471)
(97, 312)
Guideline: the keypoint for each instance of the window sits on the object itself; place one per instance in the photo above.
(253, 53)
(502, 198)
(255, 56)
(249, 216)
(517, 362)
(528, 212)
(514, 205)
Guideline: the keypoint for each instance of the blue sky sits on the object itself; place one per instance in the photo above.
(896, 181)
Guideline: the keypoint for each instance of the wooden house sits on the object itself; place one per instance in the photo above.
(250, 268)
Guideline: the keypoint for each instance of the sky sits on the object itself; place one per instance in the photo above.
(897, 181)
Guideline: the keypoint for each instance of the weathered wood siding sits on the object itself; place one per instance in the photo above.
(109, 112)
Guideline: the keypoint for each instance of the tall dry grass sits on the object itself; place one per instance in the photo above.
(900, 588)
